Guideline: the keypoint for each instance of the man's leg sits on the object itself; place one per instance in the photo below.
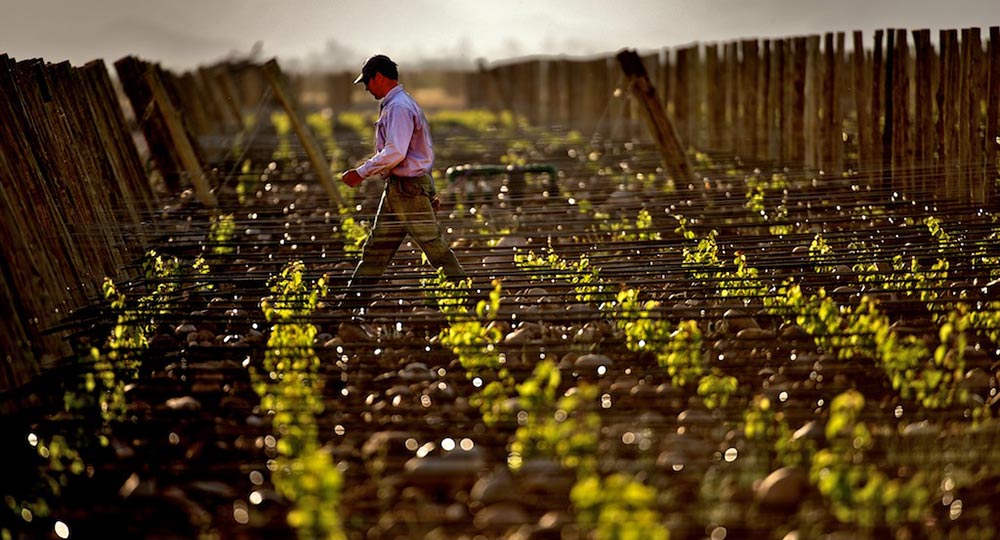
(419, 221)
(381, 245)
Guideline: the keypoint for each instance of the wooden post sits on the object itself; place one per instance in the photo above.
(272, 73)
(682, 92)
(964, 118)
(973, 79)
(775, 99)
(889, 124)
(118, 142)
(535, 91)
(574, 94)
(714, 95)
(669, 90)
(948, 98)
(993, 118)
(924, 133)
(674, 157)
(751, 95)
(651, 61)
(903, 130)
(813, 95)
(836, 122)
(180, 139)
(764, 102)
(878, 107)
(494, 86)
(797, 102)
(663, 79)
(733, 89)
(862, 103)
(597, 93)
(785, 79)
(902, 162)
(829, 130)
(550, 98)
(696, 98)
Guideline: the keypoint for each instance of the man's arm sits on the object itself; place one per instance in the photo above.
(398, 132)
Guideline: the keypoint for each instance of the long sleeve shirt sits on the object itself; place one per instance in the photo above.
(403, 144)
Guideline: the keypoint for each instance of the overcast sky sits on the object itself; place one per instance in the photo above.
(181, 34)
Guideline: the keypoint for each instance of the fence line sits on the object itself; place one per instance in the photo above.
(75, 199)
(899, 112)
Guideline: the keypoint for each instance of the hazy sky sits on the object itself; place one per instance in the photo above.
(181, 34)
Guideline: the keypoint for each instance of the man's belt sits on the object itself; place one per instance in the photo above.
(397, 178)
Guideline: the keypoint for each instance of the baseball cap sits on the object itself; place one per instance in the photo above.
(379, 63)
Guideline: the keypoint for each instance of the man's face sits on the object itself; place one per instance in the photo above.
(377, 85)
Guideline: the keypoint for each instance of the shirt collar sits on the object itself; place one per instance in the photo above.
(396, 90)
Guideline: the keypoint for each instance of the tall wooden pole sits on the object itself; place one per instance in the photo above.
(322, 168)
(993, 117)
(675, 160)
(180, 139)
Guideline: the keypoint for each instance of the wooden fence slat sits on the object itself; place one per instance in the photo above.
(117, 138)
(905, 116)
(862, 102)
(962, 182)
(924, 132)
(813, 92)
(992, 149)
(776, 97)
(714, 96)
(901, 149)
(733, 90)
(974, 80)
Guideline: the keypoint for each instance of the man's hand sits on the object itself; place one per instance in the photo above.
(351, 177)
(435, 203)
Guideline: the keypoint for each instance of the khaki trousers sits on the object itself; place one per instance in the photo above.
(405, 209)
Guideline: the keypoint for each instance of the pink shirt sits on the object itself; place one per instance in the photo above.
(403, 144)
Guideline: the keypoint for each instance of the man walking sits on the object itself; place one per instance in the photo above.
(404, 155)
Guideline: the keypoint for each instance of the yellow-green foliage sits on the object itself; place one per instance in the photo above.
(585, 278)
(678, 349)
(704, 258)
(289, 386)
(472, 338)
(628, 231)
(567, 430)
(282, 127)
(220, 233)
(477, 120)
(716, 388)
(618, 507)
(643, 329)
(743, 282)
(820, 253)
(684, 356)
(354, 232)
(758, 190)
(863, 331)
(859, 492)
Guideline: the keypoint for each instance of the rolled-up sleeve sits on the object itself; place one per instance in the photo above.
(397, 124)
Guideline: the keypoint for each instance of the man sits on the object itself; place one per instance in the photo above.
(404, 155)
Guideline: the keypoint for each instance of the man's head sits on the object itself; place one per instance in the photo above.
(379, 74)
